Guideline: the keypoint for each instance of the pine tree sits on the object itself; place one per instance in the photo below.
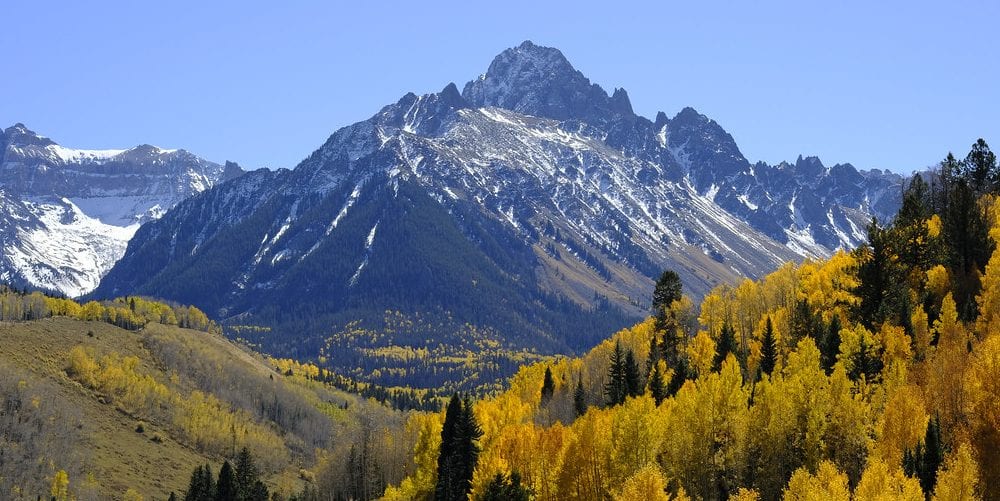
(504, 488)
(580, 398)
(202, 485)
(668, 289)
(246, 477)
(459, 451)
(830, 347)
(633, 380)
(682, 372)
(727, 345)
(548, 387)
(924, 461)
(981, 165)
(803, 321)
(657, 388)
(933, 455)
(173, 497)
(225, 488)
(768, 349)
(616, 390)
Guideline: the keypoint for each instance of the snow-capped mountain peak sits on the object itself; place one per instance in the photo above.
(67, 214)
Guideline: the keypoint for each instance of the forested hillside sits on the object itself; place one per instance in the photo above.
(123, 399)
(872, 375)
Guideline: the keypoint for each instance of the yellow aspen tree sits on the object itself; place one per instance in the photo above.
(132, 495)
(706, 445)
(420, 483)
(586, 476)
(745, 494)
(902, 424)
(879, 482)
(982, 385)
(947, 368)
(701, 352)
(921, 332)
(958, 479)
(60, 486)
(989, 300)
(645, 484)
(827, 484)
(637, 435)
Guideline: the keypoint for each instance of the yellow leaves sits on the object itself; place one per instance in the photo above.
(586, 475)
(933, 226)
(646, 484)
(938, 281)
(715, 309)
(879, 482)
(828, 484)
(701, 352)
(921, 332)
(708, 422)
(902, 425)
(988, 323)
(637, 433)
(132, 495)
(896, 354)
(745, 495)
(958, 478)
(202, 418)
(829, 286)
(420, 483)
(982, 405)
(60, 486)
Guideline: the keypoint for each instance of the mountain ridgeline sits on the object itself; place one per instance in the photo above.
(526, 215)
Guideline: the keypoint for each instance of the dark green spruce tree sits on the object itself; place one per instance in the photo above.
(830, 347)
(246, 478)
(504, 488)
(768, 349)
(202, 485)
(924, 461)
(727, 345)
(657, 387)
(580, 398)
(615, 389)
(459, 451)
(634, 385)
(667, 290)
(548, 387)
(225, 488)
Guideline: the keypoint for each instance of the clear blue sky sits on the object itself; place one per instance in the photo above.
(879, 84)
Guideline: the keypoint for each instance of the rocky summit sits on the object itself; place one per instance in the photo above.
(529, 213)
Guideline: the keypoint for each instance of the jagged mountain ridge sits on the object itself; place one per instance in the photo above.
(66, 215)
(521, 206)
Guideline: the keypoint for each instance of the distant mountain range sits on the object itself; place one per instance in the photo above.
(529, 212)
(66, 215)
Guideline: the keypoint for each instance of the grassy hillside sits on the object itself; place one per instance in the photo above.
(77, 393)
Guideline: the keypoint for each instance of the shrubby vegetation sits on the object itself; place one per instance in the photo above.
(131, 313)
(38, 437)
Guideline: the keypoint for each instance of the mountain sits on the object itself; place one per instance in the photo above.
(66, 215)
(527, 214)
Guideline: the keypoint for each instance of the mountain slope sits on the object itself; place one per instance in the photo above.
(530, 212)
(92, 429)
(66, 215)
